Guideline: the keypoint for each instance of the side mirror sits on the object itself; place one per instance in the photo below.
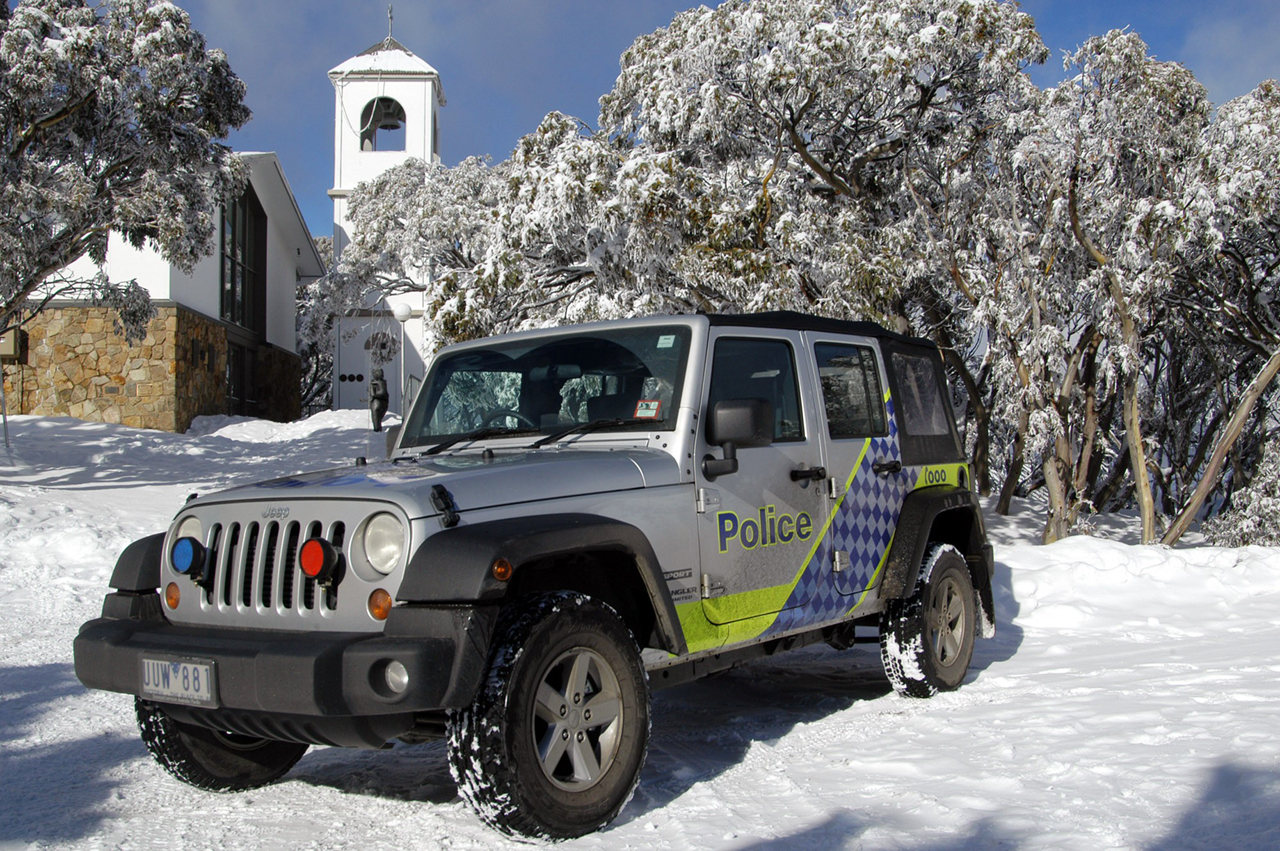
(736, 423)
(393, 435)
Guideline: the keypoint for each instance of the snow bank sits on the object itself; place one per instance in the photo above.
(1093, 584)
(1127, 701)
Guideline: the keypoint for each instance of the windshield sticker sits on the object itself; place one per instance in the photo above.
(647, 409)
(666, 341)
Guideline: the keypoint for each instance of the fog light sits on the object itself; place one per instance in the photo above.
(379, 605)
(172, 595)
(397, 677)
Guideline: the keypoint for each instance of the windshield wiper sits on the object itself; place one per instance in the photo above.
(591, 426)
(478, 434)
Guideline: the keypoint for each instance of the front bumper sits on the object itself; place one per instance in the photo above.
(328, 688)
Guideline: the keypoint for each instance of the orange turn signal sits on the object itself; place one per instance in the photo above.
(502, 569)
(379, 604)
(172, 595)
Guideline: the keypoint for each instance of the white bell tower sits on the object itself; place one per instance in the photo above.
(386, 102)
(386, 106)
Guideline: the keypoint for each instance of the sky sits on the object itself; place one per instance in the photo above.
(504, 64)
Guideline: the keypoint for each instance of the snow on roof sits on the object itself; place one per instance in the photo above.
(386, 57)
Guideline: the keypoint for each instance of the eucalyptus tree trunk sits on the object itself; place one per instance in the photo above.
(1015, 467)
(1232, 431)
(1132, 413)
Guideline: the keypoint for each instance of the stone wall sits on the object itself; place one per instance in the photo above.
(75, 365)
(201, 369)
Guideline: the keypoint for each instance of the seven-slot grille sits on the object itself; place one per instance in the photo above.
(255, 578)
(256, 566)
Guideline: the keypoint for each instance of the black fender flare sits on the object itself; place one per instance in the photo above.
(455, 564)
(138, 567)
(946, 514)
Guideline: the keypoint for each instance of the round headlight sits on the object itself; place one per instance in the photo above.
(190, 528)
(383, 542)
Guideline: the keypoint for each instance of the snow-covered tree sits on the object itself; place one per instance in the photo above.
(1254, 516)
(420, 227)
(314, 329)
(1119, 136)
(1232, 279)
(791, 129)
(111, 119)
(891, 160)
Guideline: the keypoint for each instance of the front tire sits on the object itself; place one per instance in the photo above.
(207, 759)
(926, 641)
(553, 743)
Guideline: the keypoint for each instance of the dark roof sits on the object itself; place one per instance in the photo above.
(387, 43)
(793, 321)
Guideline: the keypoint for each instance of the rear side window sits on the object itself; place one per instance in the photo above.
(749, 368)
(851, 390)
(925, 412)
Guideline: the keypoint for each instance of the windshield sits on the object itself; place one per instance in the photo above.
(544, 385)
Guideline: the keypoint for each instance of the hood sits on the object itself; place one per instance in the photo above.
(505, 478)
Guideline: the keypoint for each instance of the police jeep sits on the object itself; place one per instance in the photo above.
(568, 519)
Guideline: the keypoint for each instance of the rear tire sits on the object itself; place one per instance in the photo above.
(926, 641)
(553, 743)
(207, 759)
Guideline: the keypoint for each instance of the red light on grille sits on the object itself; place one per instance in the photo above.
(318, 559)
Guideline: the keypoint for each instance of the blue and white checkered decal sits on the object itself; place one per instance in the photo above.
(862, 525)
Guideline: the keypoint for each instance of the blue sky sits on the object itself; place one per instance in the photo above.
(506, 63)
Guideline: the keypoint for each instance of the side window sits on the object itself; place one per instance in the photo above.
(747, 368)
(926, 412)
(851, 390)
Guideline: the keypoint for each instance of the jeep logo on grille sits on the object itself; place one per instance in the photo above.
(275, 514)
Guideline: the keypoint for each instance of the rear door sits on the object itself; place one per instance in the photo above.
(867, 480)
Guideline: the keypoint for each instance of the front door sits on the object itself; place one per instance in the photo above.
(759, 527)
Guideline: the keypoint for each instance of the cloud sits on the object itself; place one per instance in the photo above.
(1233, 47)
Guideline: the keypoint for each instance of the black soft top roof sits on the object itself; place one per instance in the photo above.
(793, 321)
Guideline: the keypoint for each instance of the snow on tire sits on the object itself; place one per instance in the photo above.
(926, 640)
(553, 743)
(207, 759)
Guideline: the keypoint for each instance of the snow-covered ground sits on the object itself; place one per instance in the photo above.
(1130, 700)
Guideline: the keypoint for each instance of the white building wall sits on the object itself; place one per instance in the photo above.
(124, 262)
(201, 290)
(282, 287)
(288, 251)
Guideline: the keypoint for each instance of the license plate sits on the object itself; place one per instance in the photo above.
(189, 681)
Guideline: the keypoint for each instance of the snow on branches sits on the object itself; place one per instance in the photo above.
(111, 120)
(1096, 261)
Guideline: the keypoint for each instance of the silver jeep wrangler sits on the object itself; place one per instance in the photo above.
(569, 518)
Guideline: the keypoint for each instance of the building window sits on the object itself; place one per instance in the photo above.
(242, 396)
(382, 126)
(244, 263)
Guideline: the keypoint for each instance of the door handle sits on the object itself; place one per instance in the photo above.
(813, 474)
(883, 468)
